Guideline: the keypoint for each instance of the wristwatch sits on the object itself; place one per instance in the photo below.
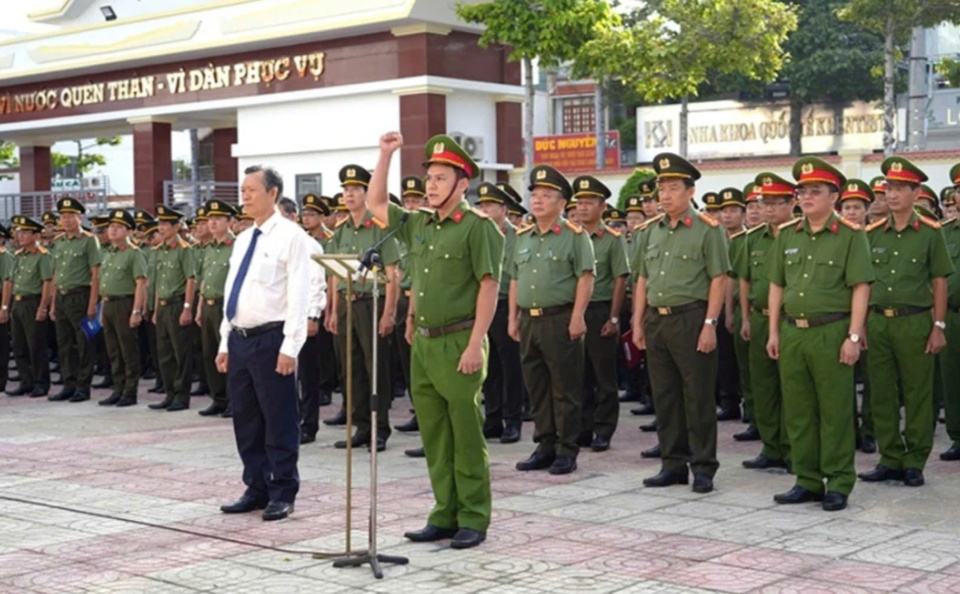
(711, 321)
(186, 305)
(941, 325)
(614, 320)
(137, 312)
(854, 338)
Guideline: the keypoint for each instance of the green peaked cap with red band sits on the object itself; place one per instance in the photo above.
(955, 174)
(811, 169)
(771, 184)
(445, 150)
(857, 188)
(901, 169)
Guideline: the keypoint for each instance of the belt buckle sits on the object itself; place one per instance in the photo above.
(664, 311)
(765, 312)
(18, 298)
(163, 302)
(63, 292)
(423, 332)
(889, 313)
(105, 297)
(536, 313)
(802, 323)
(211, 302)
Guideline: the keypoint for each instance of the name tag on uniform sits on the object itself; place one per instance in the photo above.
(879, 250)
(791, 251)
(524, 251)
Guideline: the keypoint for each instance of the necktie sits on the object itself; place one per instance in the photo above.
(241, 274)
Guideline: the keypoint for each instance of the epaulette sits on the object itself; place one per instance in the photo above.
(850, 224)
(184, 244)
(573, 227)
(946, 222)
(479, 213)
(427, 210)
(707, 220)
(879, 223)
(132, 245)
(85, 233)
(738, 234)
(327, 234)
(59, 236)
(638, 227)
(379, 223)
(649, 222)
(41, 249)
(613, 232)
(524, 229)
(342, 222)
(929, 222)
(3, 250)
(790, 223)
(760, 226)
(18, 252)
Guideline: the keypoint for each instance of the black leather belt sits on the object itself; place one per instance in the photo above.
(115, 297)
(444, 330)
(211, 301)
(759, 310)
(171, 300)
(63, 293)
(26, 297)
(257, 330)
(679, 309)
(814, 322)
(542, 312)
(898, 312)
(594, 304)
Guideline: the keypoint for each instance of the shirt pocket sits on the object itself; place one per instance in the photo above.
(878, 257)
(829, 269)
(268, 268)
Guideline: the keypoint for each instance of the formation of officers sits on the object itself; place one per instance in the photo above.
(816, 308)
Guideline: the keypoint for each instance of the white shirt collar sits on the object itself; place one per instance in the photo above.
(270, 223)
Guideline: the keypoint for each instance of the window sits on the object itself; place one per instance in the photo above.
(309, 183)
(578, 115)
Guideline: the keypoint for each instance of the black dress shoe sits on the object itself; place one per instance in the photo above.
(536, 461)
(277, 510)
(797, 495)
(177, 405)
(665, 479)
(881, 473)
(702, 483)
(106, 382)
(359, 440)
(869, 446)
(80, 396)
(649, 427)
(762, 462)
(467, 537)
(21, 390)
(127, 401)
(61, 396)
(748, 434)
(381, 444)
(585, 439)
(200, 390)
(951, 454)
(415, 453)
(408, 427)
(110, 400)
(653, 452)
(166, 402)
(600, 444)
(39, 391)
(245, 504)
(511, 434)
(643, 409)
(213, 409)
(563, 465)
(338, 419)
(307, 438)
(913, 477)
(430, 534)
(227, 412)
(492, 431)
(834, 501)
(325, 398)
(156, 389)
(729, 414)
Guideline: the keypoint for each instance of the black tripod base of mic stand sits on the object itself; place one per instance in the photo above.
(373, 560)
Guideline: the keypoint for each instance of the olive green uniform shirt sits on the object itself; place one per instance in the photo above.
(548, 265)
(750, 263)
(357, 239)
(736, 243)
(175, 265)
(122, 266)
(509, 245)
(610, 254)
(819, 270)
(451, 257)
(30, 270)
(151, 277)
(905, 262)
(6, 264)
(951, 234)
(680, 262)
(73, 259)
(213, 268)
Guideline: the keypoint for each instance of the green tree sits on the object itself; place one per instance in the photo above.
(949, 69)
(830, 60)
(85, 160)
(632, 185)
(894, 19)
(8, 157)
(548, 31)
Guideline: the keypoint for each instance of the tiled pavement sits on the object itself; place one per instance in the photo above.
(595, 531)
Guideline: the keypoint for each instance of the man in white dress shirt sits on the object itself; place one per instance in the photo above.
(264, 326)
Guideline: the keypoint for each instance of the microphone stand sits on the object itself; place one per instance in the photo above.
(371, 263)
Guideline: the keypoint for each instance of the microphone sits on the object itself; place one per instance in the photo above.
(371, 257)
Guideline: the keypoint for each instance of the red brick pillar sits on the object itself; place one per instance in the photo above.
(224, 164)
(509, 136)
(35, 168)
(152, 161)
(422, 115)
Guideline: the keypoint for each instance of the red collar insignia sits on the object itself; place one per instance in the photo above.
(687, 221)
(228, 242)
(800, 225)
(173, 245)
(123, 247)
(367, 223)
(457, 216)
(557, 228)
(600, 234)
(834, 227)
(503, 229)
(916, 224)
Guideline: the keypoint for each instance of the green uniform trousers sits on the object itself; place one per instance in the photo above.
(211, 317)
(767, 397)
(451, 427)
(173, 348)
(816, 404)
(601, 398)
(362, 362)
(741, 349)
(29, 343)
(683, 383)
(950, 374)
(401, 346)
(553, 373)
(865, 424)
(896, 357)
(75, 351)
(123, 346)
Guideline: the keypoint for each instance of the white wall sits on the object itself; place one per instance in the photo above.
(474, 114)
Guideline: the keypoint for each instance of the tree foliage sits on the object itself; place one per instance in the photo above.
(949, 68)
(85, 160)
(8, 157)
(902, 15)
(632, 185)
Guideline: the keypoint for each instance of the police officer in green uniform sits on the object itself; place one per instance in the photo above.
(551, 283)
(820, 274)
(123, 289)
(948, 200)
(6, 278)
(149, 234)
(355, 234)
(515, 211)
(734, 371)
(503, 388)
(678, 299)
(750, 263)
(753, 218)
(212, 275)
(32, 294)
(911, 263)
(458, 253)
(951, 373)
(639, 390)
(76, 266)
(600, 399)
(173, 311)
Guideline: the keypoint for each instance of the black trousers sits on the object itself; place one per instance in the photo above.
(266, 416)
(503, 388)
(309, 372)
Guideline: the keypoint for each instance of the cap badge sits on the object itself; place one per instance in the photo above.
(118, 214)
(768, 181)
(411, 183)
(351, 172)
(215, 205)
(852, 188)
(807, 168)
(664, 163)
(584, 184)
(483, 190)
(541, 174)
(66, 202)
(728, 195)
(896, 167)
(438, 148)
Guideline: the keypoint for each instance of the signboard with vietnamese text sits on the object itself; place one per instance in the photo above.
(571, 153)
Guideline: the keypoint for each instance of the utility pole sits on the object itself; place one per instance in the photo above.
(917, 91)
(598, 120)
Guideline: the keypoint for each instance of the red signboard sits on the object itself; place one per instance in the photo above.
(576, 152)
